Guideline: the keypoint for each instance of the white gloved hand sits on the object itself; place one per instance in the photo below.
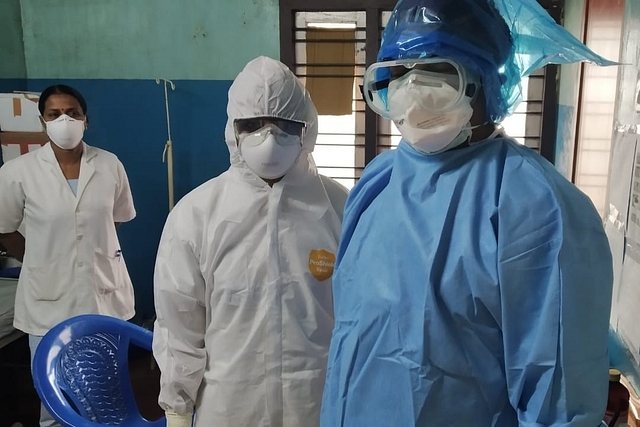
(178, 420)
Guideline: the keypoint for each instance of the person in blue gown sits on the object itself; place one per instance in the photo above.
(473, 281)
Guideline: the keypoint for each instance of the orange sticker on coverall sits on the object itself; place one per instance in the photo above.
(321, 264)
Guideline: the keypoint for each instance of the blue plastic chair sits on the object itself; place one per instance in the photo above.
(81, 372)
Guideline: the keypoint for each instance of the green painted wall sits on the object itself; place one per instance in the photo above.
(12, 65)
(143, 39)
(568, 93)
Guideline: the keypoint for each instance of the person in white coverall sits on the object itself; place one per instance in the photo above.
(243, 275)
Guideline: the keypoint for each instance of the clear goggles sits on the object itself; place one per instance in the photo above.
(429, 72)
(288, 132)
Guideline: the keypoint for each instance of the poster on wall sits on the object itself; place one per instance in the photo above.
(626, 292)
(629, 298)
(15, 144)
(622, 224)
(620, 179)
(633, 228)
(619, 188)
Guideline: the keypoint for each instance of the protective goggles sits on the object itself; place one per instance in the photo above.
(255, 124)
(429, 72)
(260, 135)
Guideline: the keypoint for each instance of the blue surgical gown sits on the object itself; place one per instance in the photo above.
(472, 288)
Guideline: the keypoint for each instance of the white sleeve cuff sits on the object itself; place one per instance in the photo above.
(178, 420)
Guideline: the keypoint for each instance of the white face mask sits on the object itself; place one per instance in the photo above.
(429, 132)
(65, 132)
(269, 152)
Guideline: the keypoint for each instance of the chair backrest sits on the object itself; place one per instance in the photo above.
(81, 372)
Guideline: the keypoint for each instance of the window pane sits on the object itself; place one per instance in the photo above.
(386, 15)
(305, 18)
(339, 151)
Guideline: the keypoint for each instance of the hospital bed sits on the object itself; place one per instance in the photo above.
(8, 333)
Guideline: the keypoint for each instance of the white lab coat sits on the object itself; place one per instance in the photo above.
(243, 278)
(72, 262)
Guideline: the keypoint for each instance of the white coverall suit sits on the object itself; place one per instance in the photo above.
(243, 278)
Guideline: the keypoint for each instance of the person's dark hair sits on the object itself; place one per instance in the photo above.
(61, 90)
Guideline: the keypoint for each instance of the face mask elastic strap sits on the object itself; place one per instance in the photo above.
(499, 129)
(474, 127)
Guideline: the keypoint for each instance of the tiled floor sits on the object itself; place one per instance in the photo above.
(19, 402)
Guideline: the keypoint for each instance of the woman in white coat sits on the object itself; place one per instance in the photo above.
(70, 198)
(243, 275)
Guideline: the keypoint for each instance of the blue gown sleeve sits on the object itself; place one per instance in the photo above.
(372, 182)
(555, 275)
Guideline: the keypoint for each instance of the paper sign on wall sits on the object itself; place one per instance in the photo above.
(633, 229)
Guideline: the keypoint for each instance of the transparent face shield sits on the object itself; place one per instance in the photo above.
(288, 132)
(429, 75)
